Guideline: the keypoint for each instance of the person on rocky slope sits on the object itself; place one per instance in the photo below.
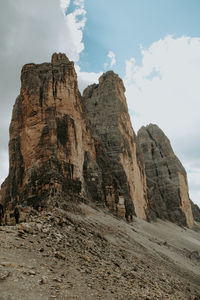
(1, 213)
(17, 213)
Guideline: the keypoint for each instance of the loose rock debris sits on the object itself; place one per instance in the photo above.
(60, 255)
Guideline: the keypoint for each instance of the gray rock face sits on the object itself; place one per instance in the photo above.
(195, 211)
(167, 189)
(106, 113)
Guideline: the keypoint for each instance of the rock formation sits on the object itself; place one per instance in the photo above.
(167, 188)
(64, 147)
(195, 211)
(48, 136)
(106, 113)
(58, 153)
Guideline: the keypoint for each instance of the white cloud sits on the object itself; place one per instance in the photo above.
(75, 21)
(165, 90)
(79, 3)
(166, 84)
(86, 78)
(64, 4)
(111, 55)
(112, 60)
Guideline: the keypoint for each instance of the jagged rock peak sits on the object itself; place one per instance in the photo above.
(111, 77)
(110, 85)
(152, 127)
(153, 132)
(56, 60)
(59, 58)
(165, 176)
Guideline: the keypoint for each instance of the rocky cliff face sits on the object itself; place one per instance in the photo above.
(167, 188)
(48, 136)
(106, 113)
(195, 211)
(58, 152)
(64, 147)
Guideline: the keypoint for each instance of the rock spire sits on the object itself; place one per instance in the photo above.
(167, 187)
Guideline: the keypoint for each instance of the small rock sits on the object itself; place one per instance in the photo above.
(85, 257)
(21, 233)
(45, 230)
(57, 279)
(4, 275)
(39, 227)
(31, 272)
(60, 255)
(9, 264)
(43, 280)
(25, 227)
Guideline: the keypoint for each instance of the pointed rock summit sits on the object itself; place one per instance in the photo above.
(167, 187)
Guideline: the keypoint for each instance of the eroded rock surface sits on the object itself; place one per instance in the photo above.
(48, 136)
(167, 187)
(195, 211)
(106, 113)
(65, 147)
(58, 151)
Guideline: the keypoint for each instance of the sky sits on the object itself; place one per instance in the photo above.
(153, 45)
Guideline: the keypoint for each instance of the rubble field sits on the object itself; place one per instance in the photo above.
(87, 253)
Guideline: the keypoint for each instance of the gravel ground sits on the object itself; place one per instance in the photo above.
(90, 254)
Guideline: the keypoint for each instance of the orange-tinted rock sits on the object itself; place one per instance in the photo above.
(58, 153)
(166, 178)
(48, 136)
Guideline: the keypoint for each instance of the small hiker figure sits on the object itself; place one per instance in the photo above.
(1, 213)
(16, 214)
(127, 215)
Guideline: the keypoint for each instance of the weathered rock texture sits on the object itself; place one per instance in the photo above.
(48, 136)
(167, 187)
(195, 211)
(58, 152)
(106, 113)
(64, 147)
